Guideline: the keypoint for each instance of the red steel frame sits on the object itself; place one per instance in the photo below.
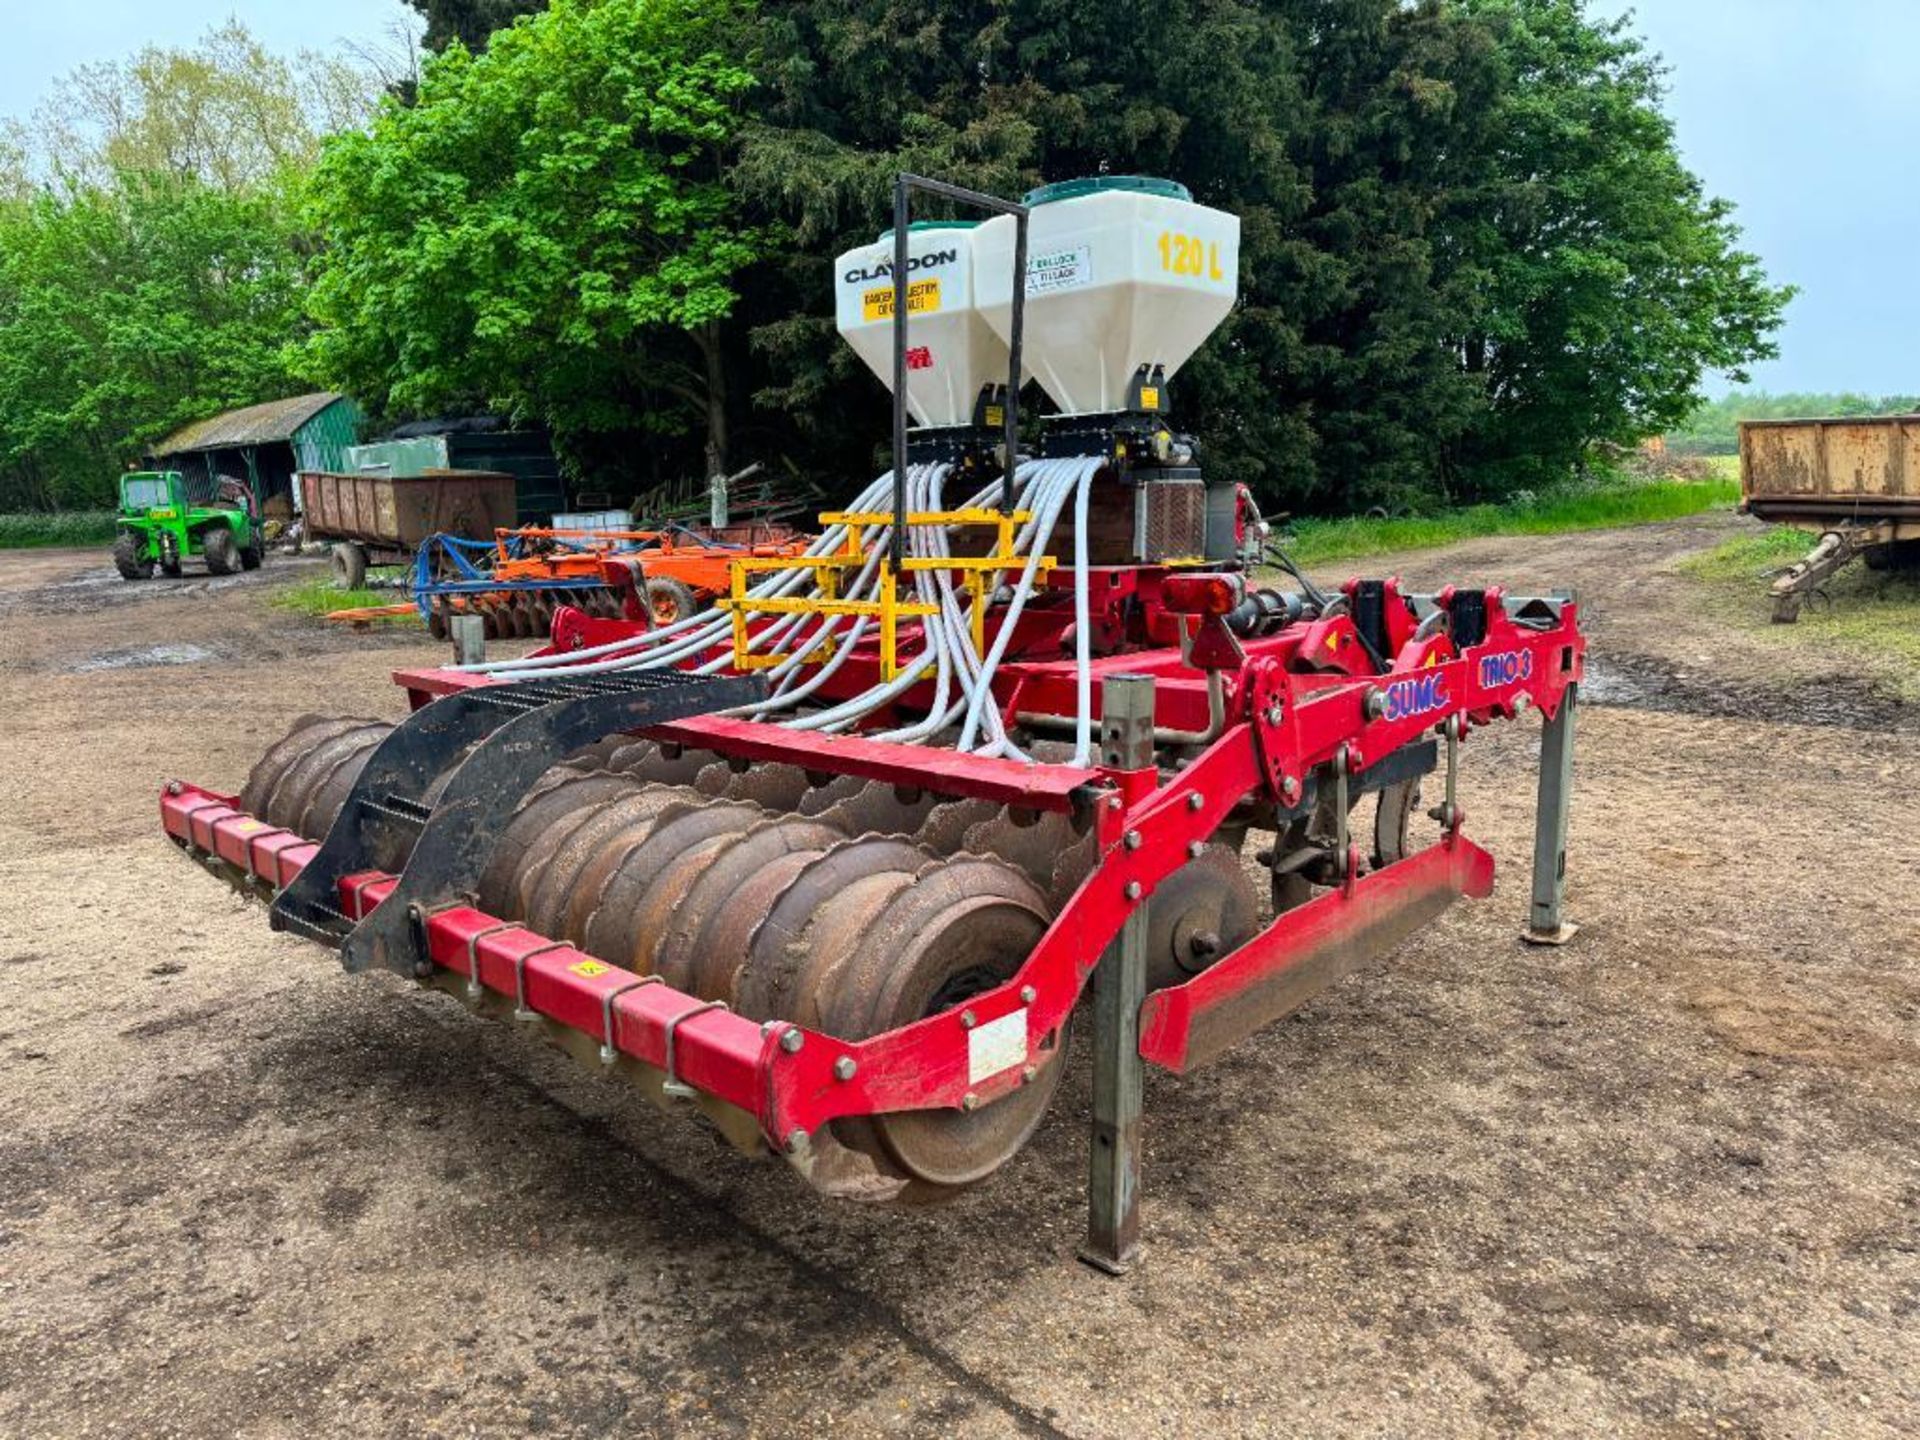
(1295, 701)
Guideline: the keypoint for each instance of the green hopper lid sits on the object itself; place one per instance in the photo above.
(1097, 184)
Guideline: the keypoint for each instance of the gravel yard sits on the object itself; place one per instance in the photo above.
(1662, 1182)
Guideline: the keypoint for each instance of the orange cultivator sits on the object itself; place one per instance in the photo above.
(518, 583)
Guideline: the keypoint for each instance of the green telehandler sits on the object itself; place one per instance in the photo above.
(162, 525)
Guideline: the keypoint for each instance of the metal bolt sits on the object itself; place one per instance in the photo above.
(1522, 704)
(1131, 840)
(1026, 1075)
(968, 1020)
(423, 970)
(174, 787)
(844, 1068)
(1194, 849)
(1376, 703)
(1274, 713)
(1028, 994)
(796, 1142)
(1204, 945)
(1289, 786)
(969, 1101)
(1114, 803)
(1133, 890)
(1196, 800)
(792, 1040)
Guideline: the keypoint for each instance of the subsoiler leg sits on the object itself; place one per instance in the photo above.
(1545, 926)
(1119, 992)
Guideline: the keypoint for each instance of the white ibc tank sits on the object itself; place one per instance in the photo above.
(952, 351)
(1122, 271)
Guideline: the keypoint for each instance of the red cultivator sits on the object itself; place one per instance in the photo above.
(815, 866)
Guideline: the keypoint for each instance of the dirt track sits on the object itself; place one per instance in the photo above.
(1664, 1182)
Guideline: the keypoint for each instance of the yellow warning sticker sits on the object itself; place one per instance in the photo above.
(587, 969)
(1149, 397)
(923, 298)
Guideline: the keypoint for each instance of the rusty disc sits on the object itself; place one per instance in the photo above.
(877, 808)
(550, 902)
(1049, 852)
(328, 792)
(777, 787)
(526, 834)
(1198, 915)
(590, 885)
(339, 743)
(648, 923)
(713, 779)
(1393, 823)
(824, 796)
(645, 760)
(256, 798)
(945, 829)
(726, 884)
(960, 927)
(727, 937)
(638, 896)
(769, 986)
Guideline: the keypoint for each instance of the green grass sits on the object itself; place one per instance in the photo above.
(1872, 614)
(316, 596)
(1599, 506)
(33, 530)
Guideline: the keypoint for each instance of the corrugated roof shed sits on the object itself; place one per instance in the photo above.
(276, 421)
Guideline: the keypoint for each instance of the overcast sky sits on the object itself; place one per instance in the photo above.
(1806, 113)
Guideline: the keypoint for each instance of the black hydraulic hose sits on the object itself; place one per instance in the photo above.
(1278, 557)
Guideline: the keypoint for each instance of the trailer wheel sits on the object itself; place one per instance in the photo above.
(349, 566)
(669, 600)
(218, 547)
(130, 557)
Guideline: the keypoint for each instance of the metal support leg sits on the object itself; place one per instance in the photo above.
(469, 634)
(1545, 925)
(1119, 990)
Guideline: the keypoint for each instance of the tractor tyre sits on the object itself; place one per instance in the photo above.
(222, 556)
(130, 557)
(349, 566)
(669, 600)
(254, 554)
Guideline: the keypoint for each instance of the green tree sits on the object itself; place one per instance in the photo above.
(1615, 282)
(546, 229)
(1714, 428)
(1469, 248)
(469, 22)
(226, 111)
(126, 313)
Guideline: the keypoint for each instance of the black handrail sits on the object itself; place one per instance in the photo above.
(903, 187)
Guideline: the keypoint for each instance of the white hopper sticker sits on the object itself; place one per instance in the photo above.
(1060, 270)
(996, 1046)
